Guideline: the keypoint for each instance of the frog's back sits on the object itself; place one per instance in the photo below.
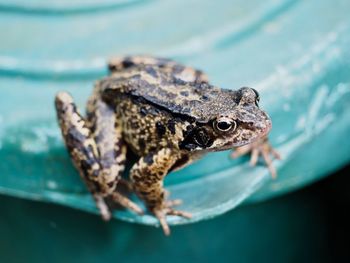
(200, 101)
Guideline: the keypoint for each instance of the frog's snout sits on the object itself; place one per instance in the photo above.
(266, 127)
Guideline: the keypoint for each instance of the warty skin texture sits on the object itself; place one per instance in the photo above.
(168, 115)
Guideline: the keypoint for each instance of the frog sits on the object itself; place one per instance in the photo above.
(168, 115)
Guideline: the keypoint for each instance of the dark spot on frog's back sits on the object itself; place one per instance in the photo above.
(154, 111)
(177, 69)
(160, 129)
(203, 85)
(194, 103)
(143, 111)
(75, 135)
(168, 95)
(111, 184)
(137, 77)
(127, 63)
(142, 143)
(111, 67)
(134, 125)
(238, 95)
(184, 93)
(148, 158)
(151, 71)
(99, 137)
(178, 81)
(85, 165)
(171, 126)
(205, 97)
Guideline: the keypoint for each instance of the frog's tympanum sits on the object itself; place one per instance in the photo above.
(165, 113)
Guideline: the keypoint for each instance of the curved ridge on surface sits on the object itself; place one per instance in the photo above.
(89, 68)
(230, 34)
(44, 69)
(64, 7)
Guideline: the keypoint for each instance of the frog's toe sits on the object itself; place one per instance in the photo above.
(171, 203)
(240, 151)
(179, 213)
(165, 210)
(175, 202)
(162, 220)
(261, 148)
(265, 150)
(103, 208)
(126, 202)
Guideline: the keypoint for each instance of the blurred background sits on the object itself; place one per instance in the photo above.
(295, 53)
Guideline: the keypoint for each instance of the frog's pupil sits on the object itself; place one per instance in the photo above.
(223, 125)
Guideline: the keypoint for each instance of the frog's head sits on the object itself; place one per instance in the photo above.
(240, 124)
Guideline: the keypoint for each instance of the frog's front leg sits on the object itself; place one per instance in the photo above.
(147, 177)
(85, 154)
(260, 147)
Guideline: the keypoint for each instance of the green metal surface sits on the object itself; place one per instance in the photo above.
(298, 59)
(287, 229)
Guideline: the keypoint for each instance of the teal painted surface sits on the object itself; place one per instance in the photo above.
(287, 229)
(298, 59)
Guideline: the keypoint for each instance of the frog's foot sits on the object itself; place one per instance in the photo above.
(126, 203)
(259, 148)
(114, 200)
(167, 209)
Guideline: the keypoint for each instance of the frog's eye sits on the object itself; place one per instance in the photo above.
(225, 124)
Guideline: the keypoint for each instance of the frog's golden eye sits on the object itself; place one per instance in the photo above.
(225, 124)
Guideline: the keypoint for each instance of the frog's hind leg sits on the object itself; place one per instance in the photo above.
(147, 177)
(106, 131)
(82, 149)
(167, 65)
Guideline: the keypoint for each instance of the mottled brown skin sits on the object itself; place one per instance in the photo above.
(168, 115)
